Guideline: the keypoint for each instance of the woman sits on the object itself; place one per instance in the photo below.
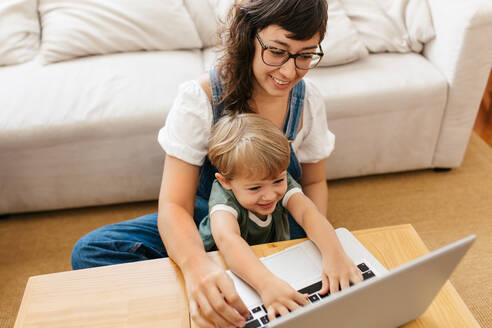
(268, 48)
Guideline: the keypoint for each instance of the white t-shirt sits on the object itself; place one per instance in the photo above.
(187, 129)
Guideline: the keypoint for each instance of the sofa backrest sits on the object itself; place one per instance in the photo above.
(75, 28)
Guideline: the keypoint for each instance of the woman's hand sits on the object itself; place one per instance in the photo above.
(212, 296)
(338, 272)
(279, 297)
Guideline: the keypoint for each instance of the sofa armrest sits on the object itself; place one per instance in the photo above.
(462, 51)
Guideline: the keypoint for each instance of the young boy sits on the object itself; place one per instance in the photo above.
(249, 203)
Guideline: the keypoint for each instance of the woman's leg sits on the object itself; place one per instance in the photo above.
(123, 242)
(128, 241)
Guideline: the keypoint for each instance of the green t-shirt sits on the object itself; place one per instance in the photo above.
(254, 230)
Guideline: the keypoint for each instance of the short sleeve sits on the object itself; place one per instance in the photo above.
(222, 199)
(293, 187)
(314, 141)
(187, 128)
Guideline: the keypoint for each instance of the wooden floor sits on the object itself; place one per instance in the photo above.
(483, 123)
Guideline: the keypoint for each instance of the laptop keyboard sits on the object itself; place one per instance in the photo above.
(258, 315)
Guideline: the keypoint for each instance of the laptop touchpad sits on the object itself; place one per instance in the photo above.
(296, 266)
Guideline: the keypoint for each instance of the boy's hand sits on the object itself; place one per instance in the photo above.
(279, 297)
(338, 272)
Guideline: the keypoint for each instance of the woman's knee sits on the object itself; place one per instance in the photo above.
(81, 252)
(94, 249)
(124, 242)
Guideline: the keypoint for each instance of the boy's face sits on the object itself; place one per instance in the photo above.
(257, 196)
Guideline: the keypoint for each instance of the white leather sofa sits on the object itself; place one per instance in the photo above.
(83, 131)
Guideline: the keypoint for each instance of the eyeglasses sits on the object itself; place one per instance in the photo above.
(277, 57)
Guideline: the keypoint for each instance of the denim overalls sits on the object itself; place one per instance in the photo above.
(139, 239)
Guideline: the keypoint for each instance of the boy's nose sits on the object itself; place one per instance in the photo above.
(269, 195)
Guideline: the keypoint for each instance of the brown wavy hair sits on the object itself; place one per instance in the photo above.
(302, 18)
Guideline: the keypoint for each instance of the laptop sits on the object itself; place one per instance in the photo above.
(386, 298)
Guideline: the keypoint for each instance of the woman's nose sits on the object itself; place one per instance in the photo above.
(288, 69)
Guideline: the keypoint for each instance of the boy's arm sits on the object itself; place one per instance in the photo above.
(337, 266)
(278, 296)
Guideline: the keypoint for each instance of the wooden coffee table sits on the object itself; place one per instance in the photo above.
(151, 293)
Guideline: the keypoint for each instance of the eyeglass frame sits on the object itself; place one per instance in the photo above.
(290, 55)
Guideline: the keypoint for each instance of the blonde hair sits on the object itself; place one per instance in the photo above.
(248, 145)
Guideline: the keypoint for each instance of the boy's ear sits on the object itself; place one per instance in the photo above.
(223, 181)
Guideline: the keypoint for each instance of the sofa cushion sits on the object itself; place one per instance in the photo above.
(92, 90)
(391, 25)
(74, 28)
(19, 31)
(205, 21)
(342, 43)
(85, 125)
(385, 111)
(390, 80)
(209, 57)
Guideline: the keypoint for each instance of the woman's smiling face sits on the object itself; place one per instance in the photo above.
(277, 81)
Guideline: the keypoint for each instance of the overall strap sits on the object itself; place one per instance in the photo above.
(216, 88)
(294, 111)
(207, 170)
(291, 125)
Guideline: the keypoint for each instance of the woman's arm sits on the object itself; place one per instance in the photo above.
(210, 290)
(278, 296)
(314, 185)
